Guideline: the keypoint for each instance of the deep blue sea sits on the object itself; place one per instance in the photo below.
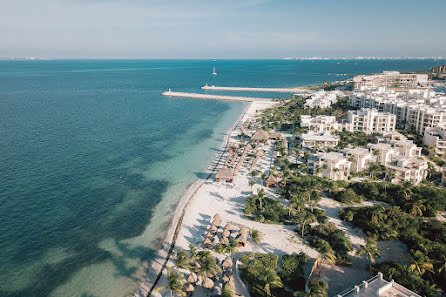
(93, 159)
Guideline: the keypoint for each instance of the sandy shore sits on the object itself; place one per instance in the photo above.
(161, 260)
(206, 198)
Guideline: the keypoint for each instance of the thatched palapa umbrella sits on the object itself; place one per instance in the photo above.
(207, 283)
(224, 240)
(227, 263)
(188, 288)
(207, 242)
(243, 230)
(227, 276)
(229, 227)
(213, 229)
(226, 233)
(210, 235)
(192, 278)
(230, 285)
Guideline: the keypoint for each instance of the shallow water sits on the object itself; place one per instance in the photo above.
(93, 159)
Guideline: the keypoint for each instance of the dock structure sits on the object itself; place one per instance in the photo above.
(243, 89)
(213, 97)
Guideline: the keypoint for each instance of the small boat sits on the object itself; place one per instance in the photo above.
(213, 72)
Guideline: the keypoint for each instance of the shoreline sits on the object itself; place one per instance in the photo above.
(147, 285)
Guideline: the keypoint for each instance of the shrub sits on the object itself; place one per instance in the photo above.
(292, 271)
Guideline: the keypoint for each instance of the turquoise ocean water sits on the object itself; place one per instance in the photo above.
(93, 160)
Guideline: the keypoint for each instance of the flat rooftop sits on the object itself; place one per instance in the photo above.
(378, 286)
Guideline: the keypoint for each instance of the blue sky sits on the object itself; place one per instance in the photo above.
(221, 29)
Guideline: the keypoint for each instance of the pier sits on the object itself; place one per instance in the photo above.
(242, 89)
(213, 97)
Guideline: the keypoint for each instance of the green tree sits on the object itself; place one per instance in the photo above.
(420, 263)
(267, 280)
(175, 282)
(256, 236)
(317, 288)
(417, 208)
(371, 250)
(209, 267)
(183, 259)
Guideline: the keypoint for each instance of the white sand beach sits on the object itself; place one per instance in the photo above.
(205, 198)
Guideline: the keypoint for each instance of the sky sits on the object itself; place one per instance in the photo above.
(204, 29)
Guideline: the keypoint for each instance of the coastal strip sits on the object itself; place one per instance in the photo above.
(243, 89)
(158, 265)
(213, 97)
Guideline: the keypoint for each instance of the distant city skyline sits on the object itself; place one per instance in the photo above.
(180, 29)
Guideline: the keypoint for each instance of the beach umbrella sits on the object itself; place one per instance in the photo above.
(227, 276)
(192, 278)
(189, 288)
(227, 263)
(207, 283)
(229, 227)
(243, 230)
(213, 229)
(230, 285)
(226, 233)
(216, 222)
(210, 235)
(207, 242)
(217, 216)
(224, 240)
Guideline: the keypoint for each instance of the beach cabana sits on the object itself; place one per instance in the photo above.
(271, 182)
(224, 174)
(192, 278)
(243, 230)
(259, 136)
(210, 235)
(227, 263)
(207, 284)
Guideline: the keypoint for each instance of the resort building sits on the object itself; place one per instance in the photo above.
(436, 138)
(321, 99)
(370, 121)
(320, 124)
(383, 152)
(360, 158)
(406, 169)
(332, 165)
(319, 140)
(377, 286)
(390, 79)
(406, 148)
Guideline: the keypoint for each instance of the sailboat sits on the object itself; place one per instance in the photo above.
(213, 72)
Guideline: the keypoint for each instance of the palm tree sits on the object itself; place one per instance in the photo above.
(371, 250)
(407, 190)
(267, 280)
(183, 259)
(326, 253)
(260, 196)
(420, 263)
(306, 218)
(256, 236)
(209, 267)
(317, 288)
(175, 283)
(252, 183)
(417, 208)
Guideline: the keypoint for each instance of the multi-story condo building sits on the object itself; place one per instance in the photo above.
(436, 138)
(407, 169)
(320, 124)
(390, 79)
(319, 140)
(332, 165)
(361, 158)
(371, 121)
(322, 99)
